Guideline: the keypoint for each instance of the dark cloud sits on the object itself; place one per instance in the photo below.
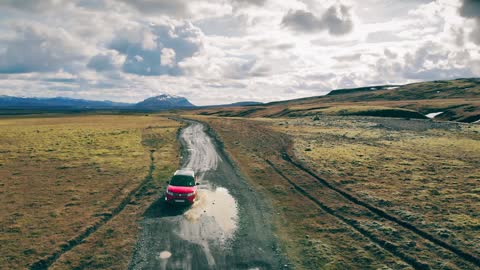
(429, 62)
(475, 34)
(337, 20)
(390, 54)
(157, 49)
(249, 2)
(169, 7)
(348, 58)
(102, 62)
(60, 80)
(320, 76)
(37, 48)
(302, 21)
(32, 5)
(177, 7)
(382, 36)
(459, 34)
(471, 9)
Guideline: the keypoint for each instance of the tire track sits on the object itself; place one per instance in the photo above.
(381, 213)
(49, 260)
(386, 245)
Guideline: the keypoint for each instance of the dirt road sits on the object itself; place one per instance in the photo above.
(227, 228)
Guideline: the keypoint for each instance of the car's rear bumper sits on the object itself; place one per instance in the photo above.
(179, 200)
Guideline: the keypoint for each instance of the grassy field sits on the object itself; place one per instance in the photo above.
(72, 188)
(368, 193)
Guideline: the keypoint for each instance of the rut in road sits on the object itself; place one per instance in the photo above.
(377, 211)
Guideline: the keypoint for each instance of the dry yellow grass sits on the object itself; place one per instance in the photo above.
(423, 172)
(427, 177)
(312, 239)
(61, 175)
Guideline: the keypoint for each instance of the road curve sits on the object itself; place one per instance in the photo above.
(228, 227)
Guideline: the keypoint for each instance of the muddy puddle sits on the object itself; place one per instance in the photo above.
(211, 220)
(216, 212)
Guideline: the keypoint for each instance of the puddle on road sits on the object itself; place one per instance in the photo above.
(217, 204)
(211, 219)
(164, 255)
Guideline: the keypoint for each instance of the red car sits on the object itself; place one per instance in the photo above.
(182, 188)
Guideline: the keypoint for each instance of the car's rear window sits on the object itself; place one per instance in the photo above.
(182, 180)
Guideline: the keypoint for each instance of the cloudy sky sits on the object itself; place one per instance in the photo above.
(220, 51)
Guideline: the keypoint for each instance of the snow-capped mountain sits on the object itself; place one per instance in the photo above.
(164, 101)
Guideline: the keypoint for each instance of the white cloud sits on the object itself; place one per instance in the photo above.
(230, 50)
(38, 47)
(167, 58)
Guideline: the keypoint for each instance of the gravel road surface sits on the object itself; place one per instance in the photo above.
(228, 227)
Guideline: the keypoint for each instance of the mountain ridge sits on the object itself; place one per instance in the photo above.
(158, 102)
(453, 100)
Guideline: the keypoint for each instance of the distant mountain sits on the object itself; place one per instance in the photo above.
(161, 102)
(56, 102)
(164, 101)
(241, 103)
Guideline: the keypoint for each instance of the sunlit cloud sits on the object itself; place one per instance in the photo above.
(231, 50)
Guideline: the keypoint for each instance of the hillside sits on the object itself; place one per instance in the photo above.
(457, 100)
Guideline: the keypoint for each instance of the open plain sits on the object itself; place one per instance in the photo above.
(73, 187)
(313, 192)
(365, 192)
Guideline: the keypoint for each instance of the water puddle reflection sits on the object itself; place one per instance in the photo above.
(211, 219)
(164, 255)
(217, 204)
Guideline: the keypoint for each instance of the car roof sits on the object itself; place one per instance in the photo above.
(186, 172)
